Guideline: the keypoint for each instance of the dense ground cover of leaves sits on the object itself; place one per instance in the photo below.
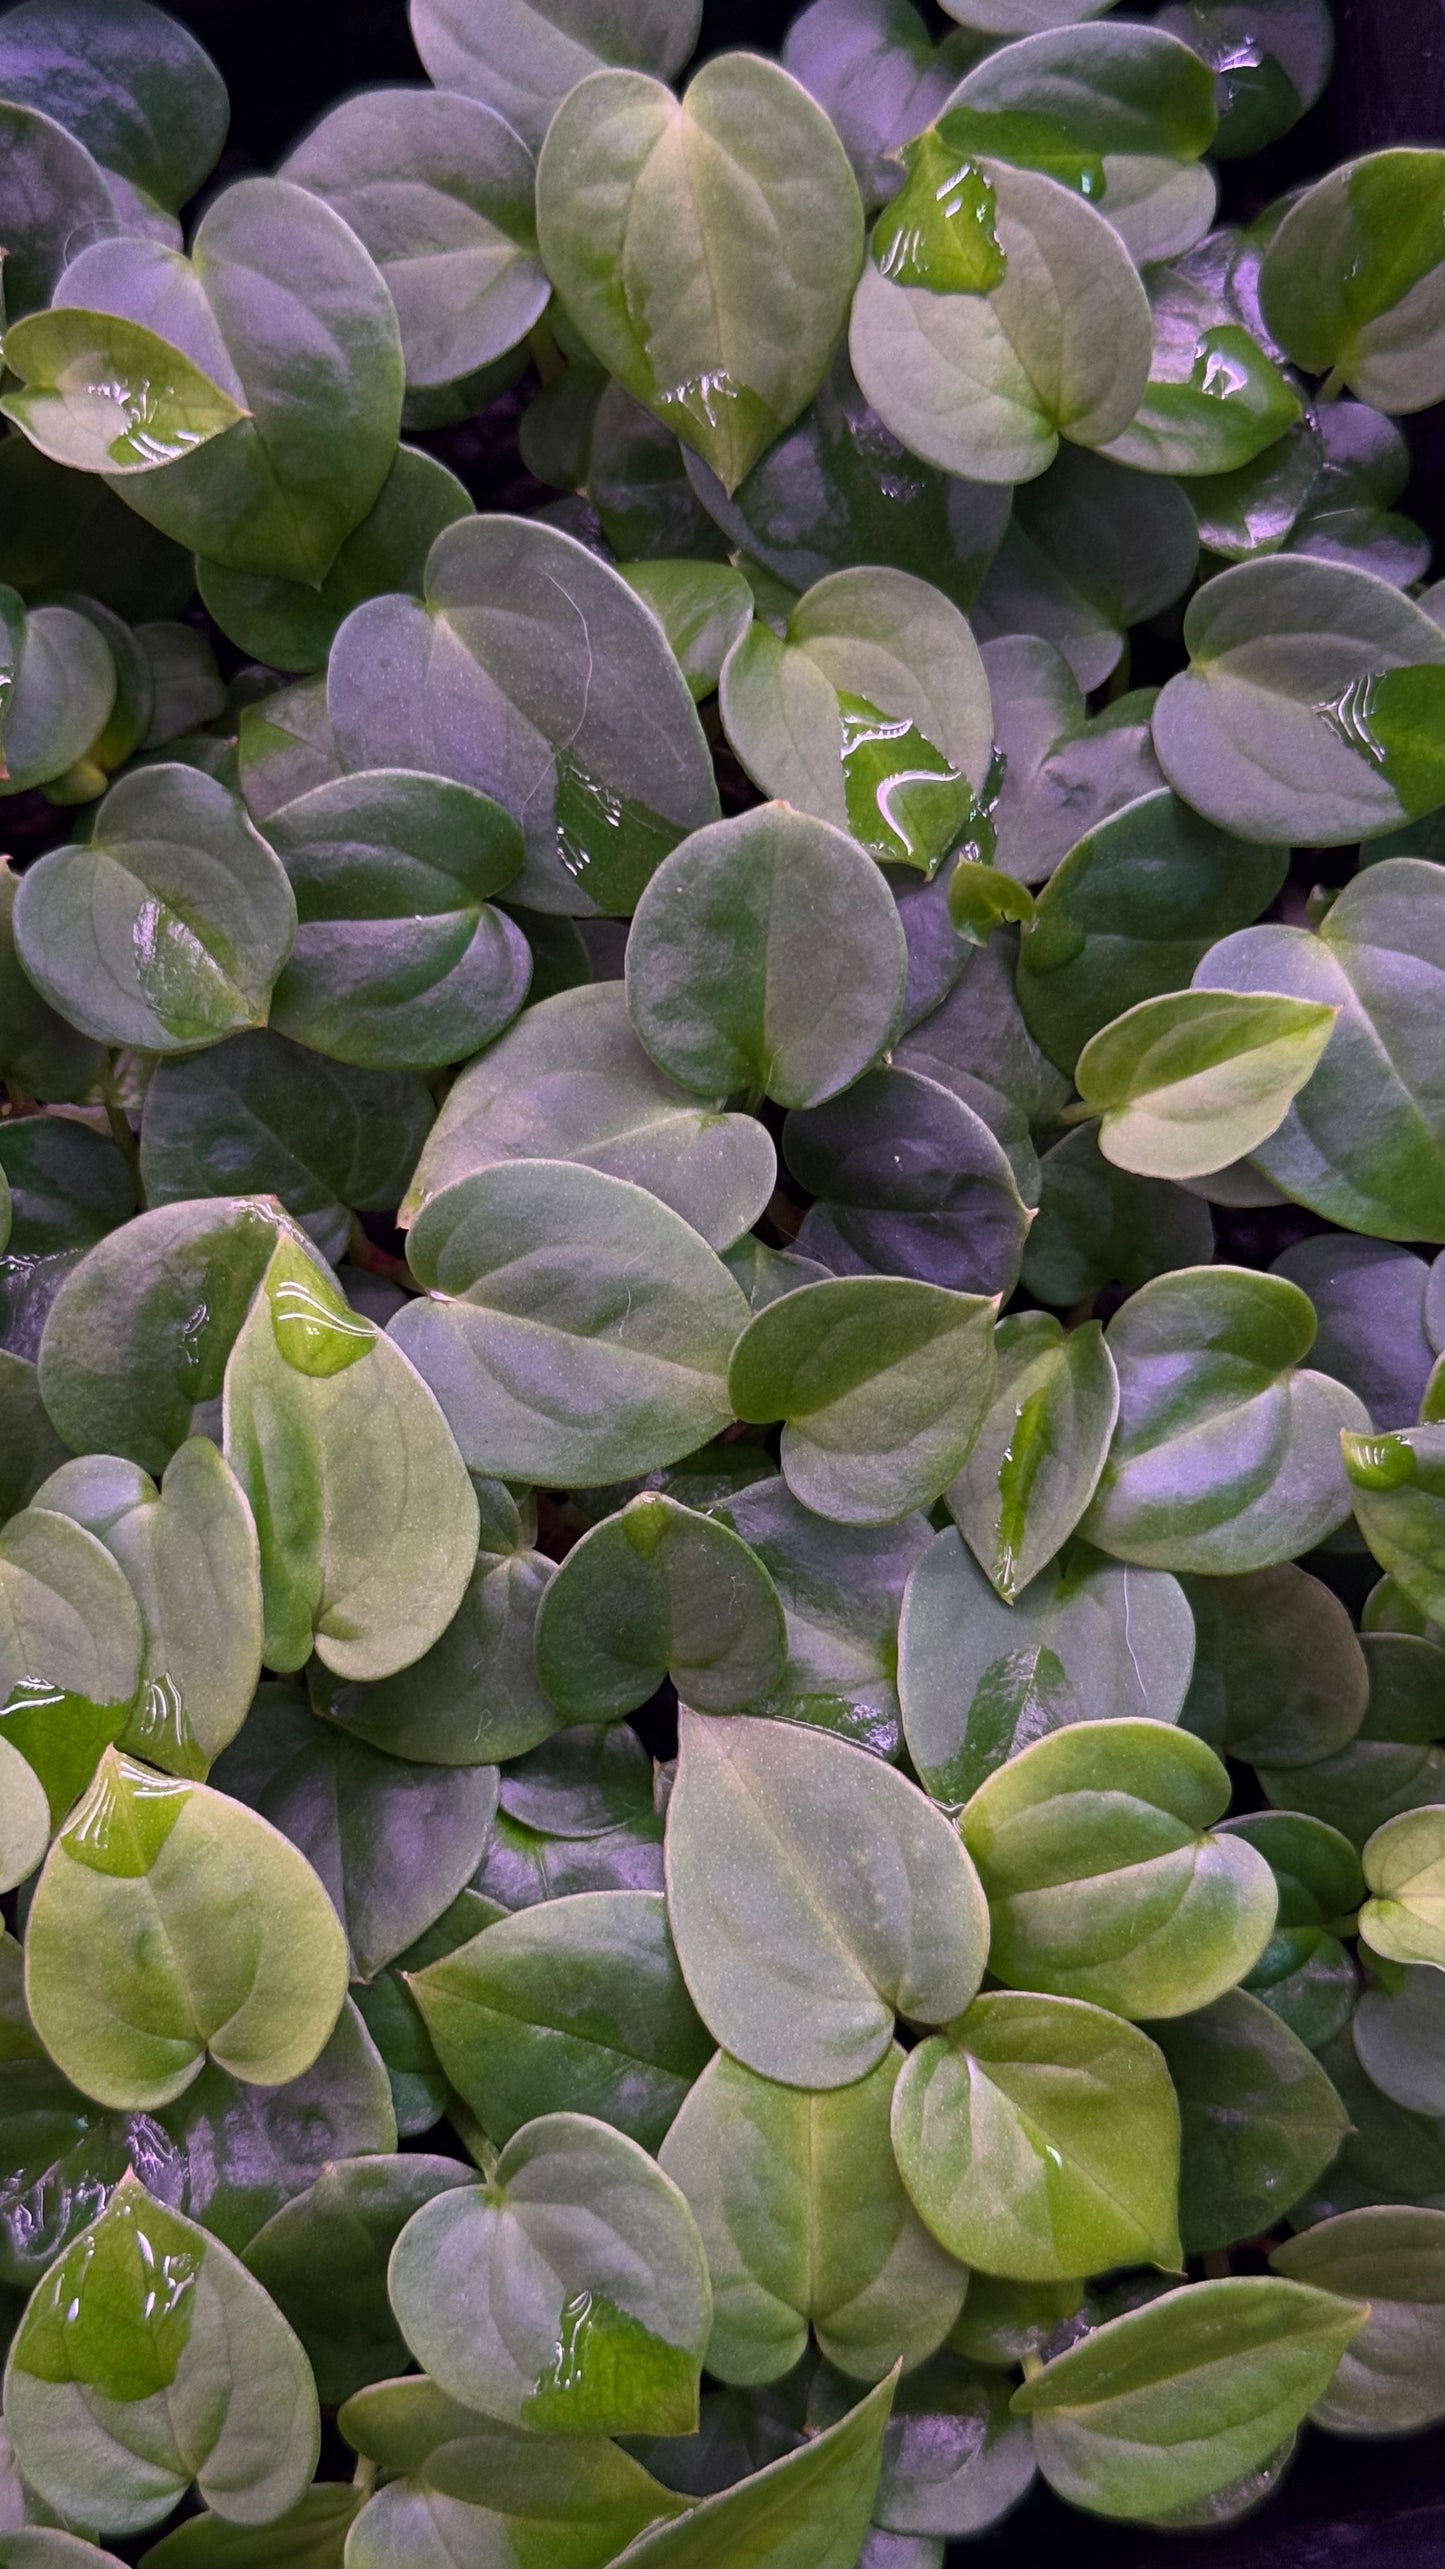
(722, 1764)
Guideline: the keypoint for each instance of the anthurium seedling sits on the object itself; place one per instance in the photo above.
(718, 1287)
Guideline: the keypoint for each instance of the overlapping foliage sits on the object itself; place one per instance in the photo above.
(943, 1304)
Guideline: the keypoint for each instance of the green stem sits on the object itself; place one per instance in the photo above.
(1332, 387)
(126, 1143)
(363, 2478)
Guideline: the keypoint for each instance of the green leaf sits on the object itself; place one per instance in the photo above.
(1309, 707)
(491, 2493)
(38, 2548)
(139, 1334)
(809, 2510)
(839, 488)
(570, 2293)
(29, 1446)
(130, 82)
(980, 1679)
(912, 1178)
(440, 190)
(367, 1522)
(1392, 1764)
(871, 711)
(1040, 1450)
(1214, 399)
(1130, 94)
(148, 2359)
(1260, 2119)
(52, 184)
(41, 1055)
(1062, 772)
(273, 274)
(1404, 1865)
(804, 2218)
(293, 625)
(62, 697)
(475, 1695)
(188, 1551)
(167, 928)
(1132, 910)
(231, 2154)
(1040, 2139)
(24, 1817)
(766, 956)
(1090, 549)
(577, 2003)
(705, 247)
(986, 384)
(1097, 1225)
(1103, 1879)
(131, 1979)
(873, 66)
(1398, 1492)
(1175, 2402)
(1352, 280)
(881, 1383)
(622, 1367)
(570, 1081)
(702, 607)
(1391, 2379)
(1225, 1455)
(1280, 1679)
(658, 1591)
(1365, 1145)
(285, 745)
(101, 394)
(270, 1118)
(1395, 2032)
(393, 1843)
(70, 1651)
(523, 62)
(1196, 1079)
(68, 531)
(768, 1824)
(323, 2259)
(1269, 63)
(532, 673)
(841, 1587)
(311, 2535)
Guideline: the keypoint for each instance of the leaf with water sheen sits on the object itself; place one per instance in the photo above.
(769, 1825)
(167, 928)
(131, 1975)
(149, 2358)
(273, 275)
(530, 671)
(804, 2218)
(871, 711)
(70, 1651)
(705, 247)
(188, 1551)
(366, 1519)
(101, 394)
(569, 2293)
(1310, 708)
(1040, 1449)
(985, 385)
(1039, 2139)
